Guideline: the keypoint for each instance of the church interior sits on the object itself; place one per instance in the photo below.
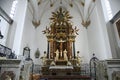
(59, 40)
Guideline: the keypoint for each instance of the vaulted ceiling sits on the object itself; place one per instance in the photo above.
(84, 7)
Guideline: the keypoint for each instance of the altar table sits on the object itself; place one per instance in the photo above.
(61, 70)
(61, 67)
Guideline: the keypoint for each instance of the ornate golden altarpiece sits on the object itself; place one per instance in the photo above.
(61, 41)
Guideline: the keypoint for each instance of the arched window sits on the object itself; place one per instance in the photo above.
(5, 20)
(13, 8)
(108, 8)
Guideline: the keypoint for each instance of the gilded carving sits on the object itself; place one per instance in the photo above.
(61, 35)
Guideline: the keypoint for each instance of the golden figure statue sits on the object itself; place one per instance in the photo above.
(44, 58)
(78, 59)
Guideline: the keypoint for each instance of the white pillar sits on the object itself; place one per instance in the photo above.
(16, 31)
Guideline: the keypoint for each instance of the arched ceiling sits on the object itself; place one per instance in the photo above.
(39, 7)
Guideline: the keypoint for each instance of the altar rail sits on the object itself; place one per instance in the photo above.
(84, 74)
(84, 69)
(71, 77)
(6, 52)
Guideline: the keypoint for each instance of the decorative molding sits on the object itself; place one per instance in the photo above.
(108, 69)
(86, 23)
(10, 61)
(36, 24)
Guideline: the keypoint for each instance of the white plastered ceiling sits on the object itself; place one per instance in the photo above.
(40, 7)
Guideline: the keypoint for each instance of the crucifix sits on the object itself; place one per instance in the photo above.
(61, 47)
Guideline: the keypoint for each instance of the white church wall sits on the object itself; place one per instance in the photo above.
(95, 39)
(115, 43)
(114, 39)
(101, 18)
(15, 29)
(115, 6)
(98, 35)
(4, 26)
(18, 26)
(6, 5)
(117, 37)
(29, 37)
(81, 42)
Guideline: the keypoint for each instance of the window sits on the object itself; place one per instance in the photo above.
(4, 25)
(4, 30)
(108, 8)
(13, 8)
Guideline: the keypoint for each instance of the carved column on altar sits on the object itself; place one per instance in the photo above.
(72, 47)
(48, 54)
(51, 50)
(50, 46)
